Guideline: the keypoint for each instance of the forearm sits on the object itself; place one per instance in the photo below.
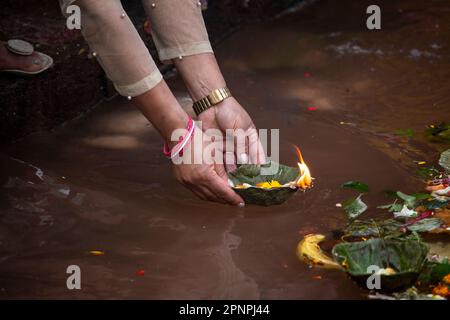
(161, 108)
(200, 73)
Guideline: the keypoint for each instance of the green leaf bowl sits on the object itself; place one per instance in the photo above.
(251, 174)
(406, 256)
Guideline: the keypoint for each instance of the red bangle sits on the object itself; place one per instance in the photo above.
(182, 142)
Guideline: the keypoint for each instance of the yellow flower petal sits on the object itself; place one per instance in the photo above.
(275, 184)
(96, 253)
(263, 185)
(269, 184)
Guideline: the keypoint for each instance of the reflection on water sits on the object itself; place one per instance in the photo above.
(102, 183)
(112, 142)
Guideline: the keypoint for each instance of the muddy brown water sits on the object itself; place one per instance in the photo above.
(102, 183)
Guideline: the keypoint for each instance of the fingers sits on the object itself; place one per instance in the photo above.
(204, 193)
(221, 172)
(241, 151)
(199, 194)
(223, 191)
(249, 148)
(253, 145)
(261, 154)
(255, 148)
(210, 195)
(229, 156)
(208, 185)
(216, 190)
(230, 161)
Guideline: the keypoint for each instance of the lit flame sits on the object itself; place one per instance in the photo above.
(304, 180)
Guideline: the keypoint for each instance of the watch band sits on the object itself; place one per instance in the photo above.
(215, 97)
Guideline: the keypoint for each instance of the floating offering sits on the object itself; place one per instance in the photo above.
(400, 261)
(256, 188)
(309, 251)
(387, 254)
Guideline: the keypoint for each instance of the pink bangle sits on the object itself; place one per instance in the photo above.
(182, 142)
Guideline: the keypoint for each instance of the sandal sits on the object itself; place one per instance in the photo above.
(24, 48)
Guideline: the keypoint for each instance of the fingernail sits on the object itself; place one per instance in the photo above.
(241, 205)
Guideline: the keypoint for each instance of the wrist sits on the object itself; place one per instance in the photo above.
(223, 106)
(161, 108)
(172, 122)
(201, 74)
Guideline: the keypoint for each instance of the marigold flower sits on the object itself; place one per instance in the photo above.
(441, 290)
(446, 279)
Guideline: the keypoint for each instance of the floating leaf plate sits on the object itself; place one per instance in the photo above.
(250, 174)
(405, 256)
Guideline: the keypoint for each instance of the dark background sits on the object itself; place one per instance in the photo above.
(76, 83)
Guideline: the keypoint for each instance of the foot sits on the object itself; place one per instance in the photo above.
(11, 61)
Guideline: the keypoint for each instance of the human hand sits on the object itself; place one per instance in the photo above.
(207, 180)
(201, 74)
(229, 114)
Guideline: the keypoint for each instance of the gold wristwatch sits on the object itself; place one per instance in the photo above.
(215, 97)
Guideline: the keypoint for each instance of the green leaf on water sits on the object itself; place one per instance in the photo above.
(392, 207)
(377, 228)
(356, 185)
(434, 272)
(421, 196)
(435, 204)
(354, 207)
(410, 201)
(425, 225)
(405, 132)
(405, 213)
(406, 257)
(438, 133)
